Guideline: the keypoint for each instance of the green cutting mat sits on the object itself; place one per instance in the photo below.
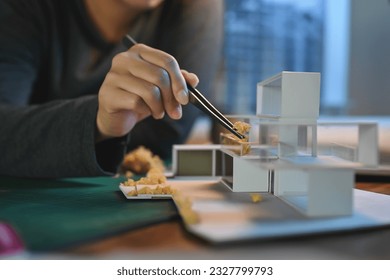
(56, 214)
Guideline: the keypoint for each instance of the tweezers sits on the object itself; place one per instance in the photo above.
(201, 102)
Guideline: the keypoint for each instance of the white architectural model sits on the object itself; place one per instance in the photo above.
(283, 156)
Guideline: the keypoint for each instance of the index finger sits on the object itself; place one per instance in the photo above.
(169, 63)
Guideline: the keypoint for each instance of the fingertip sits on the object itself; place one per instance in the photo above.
(191, 78)
(183, 97)
(194, 79)
(160, 116)
(176, 113)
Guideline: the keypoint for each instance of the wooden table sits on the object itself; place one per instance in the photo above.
(170, 240)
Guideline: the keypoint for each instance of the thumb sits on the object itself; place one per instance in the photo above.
(191, 78)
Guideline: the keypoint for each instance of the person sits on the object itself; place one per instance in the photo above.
(73, 96)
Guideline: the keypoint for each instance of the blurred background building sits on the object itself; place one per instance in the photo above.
(264, 37)
(347, 41)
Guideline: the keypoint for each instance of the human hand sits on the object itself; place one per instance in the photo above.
(142, 81)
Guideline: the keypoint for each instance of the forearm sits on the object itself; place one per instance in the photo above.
(56, 139)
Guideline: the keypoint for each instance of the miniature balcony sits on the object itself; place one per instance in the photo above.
(272, 140)
(289, 95)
